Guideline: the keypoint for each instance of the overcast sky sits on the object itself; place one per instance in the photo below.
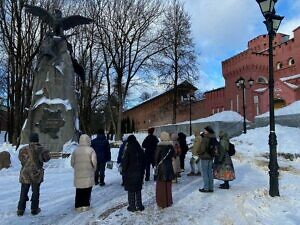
(222, 28)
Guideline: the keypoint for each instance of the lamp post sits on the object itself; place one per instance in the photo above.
(240, 83)
(272, 23)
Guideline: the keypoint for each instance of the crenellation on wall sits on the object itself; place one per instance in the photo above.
(250, 63)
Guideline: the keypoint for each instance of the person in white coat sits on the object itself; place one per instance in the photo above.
(84, 162)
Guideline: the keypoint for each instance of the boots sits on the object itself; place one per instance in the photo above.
(131, 202)
(139, 204)
(191, 174)
(20, 212)
(102, 181)
(225, 185)
(35, 211)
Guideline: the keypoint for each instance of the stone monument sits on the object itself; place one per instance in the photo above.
(53, 111)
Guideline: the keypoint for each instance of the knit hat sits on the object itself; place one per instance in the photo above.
(209, 129)
(34, 137)
(164, 136)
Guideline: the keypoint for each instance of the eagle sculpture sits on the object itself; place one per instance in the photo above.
(58, 23)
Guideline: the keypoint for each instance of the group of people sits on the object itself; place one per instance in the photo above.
(210, 159)
(89, 161)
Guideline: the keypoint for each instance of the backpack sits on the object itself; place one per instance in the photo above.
(231, 149)
(212, 147)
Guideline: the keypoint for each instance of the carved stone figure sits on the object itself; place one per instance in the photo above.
(56, 21)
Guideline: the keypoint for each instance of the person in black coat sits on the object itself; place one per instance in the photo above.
(149, 144)
(184, 148)
(133, 168)
(120, 156)
(102, 148)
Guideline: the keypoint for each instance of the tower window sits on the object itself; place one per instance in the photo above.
(279, 65)
(291, 61)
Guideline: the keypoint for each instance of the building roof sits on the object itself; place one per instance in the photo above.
(214, 90)
(292, 77)
(183, 85)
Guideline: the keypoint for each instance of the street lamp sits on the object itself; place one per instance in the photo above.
(240, 83)
(272, 23)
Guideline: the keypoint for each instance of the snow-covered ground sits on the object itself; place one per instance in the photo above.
(246, 203)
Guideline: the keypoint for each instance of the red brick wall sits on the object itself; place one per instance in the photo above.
(251, 63)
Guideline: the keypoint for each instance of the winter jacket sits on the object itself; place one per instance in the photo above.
(223, 166)
(149, 144)
(32, 158)
(121, 152)
(177, 149)
(84, 162)
(196, 146)
(133, 165)
(182, 143)
(101, 146)
(165, 168)
(223, 147)
(204, 145)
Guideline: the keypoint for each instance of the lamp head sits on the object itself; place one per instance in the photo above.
(266, 7)
(250, 82)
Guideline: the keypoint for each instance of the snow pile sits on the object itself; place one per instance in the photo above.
(293, 108)
(255, 142)
(54, 101)
(225, 116)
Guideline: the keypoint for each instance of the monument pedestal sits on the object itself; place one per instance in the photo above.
(53, 111)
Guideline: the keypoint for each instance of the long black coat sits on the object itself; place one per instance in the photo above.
(165, 169)
(150, 144)
(133, 166)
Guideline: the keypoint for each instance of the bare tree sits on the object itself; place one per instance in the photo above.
(87, 51)
(129, 36)
(21, 37)
(178, 61)
(145, 96)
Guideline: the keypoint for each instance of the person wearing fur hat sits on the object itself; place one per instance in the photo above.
(208, 141)
(165, 173)
(149, 144)
(32, 158)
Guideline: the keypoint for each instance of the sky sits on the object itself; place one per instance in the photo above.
(246, 202)
(222, 29)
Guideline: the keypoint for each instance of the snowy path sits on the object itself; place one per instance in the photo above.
(57, 199)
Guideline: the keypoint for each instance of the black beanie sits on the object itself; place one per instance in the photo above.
(34, 137)
(209, 129)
